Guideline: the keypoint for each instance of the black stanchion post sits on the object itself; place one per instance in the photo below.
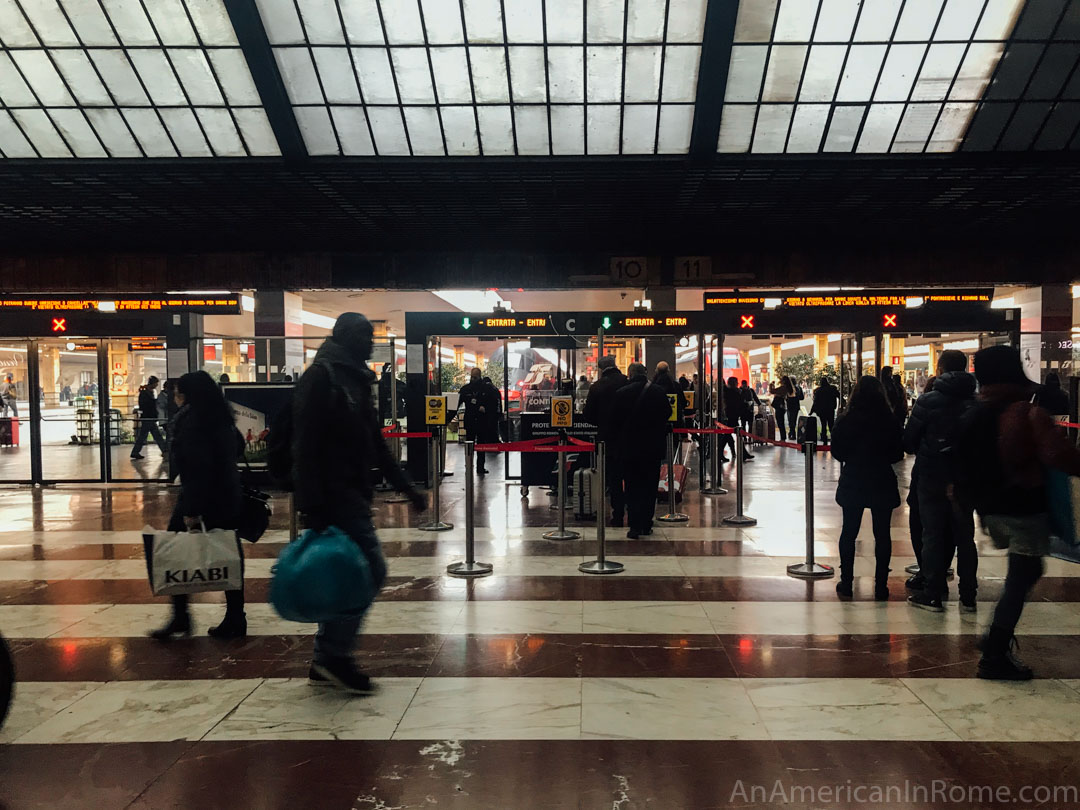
(294, 523)
(714, 487)
(561, 533)
(436, 524)
(601, 565)
(672, 516)
(739, 519)
(469, 567)
(809, 569)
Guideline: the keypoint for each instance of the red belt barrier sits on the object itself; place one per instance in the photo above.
(407, 435)
(720, 430)
(1069, 424)
(548, 445)
(821, 448)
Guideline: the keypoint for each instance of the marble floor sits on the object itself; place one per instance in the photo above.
(702, 677)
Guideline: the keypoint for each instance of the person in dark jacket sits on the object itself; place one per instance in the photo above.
(735, 408)
(1005, 449)
(640, 426)
(786, 405)
(867, 440)
(598, 411)
(203, 454)
(148, 421)
(386, 410)
(753, 402)
(894, 393)
(947, 523)
(826, 397)
(1051, 398)
(482, 405)
(663, 380)
(337, 442)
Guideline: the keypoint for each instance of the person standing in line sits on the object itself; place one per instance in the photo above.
(598, 411)
(582, 389)
(784, 401)
(204, 451)
(947, 523)
(866, 440)
(640, 423)
(735, 408)
(148, 421)
(337, 441)
(753, 402)
(482, 405)
(1005, 448)
(826, 397)
(9, 393)
(1051, 398)
(894, 393)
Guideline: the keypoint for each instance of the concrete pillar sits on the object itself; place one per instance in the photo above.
(821, 349)
(277, 315)
(661, 348)
(896, 354)
(776, 354)
(49, 372)
(1046, 330)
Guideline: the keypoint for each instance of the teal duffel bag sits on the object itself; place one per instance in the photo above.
(1063, 503)
(321, 577)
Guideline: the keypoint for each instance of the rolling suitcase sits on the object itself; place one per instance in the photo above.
(680, 474)
(9, 432)
(584, 499)
(765, 424)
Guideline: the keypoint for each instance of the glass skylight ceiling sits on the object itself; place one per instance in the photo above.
(489, 77)
(126, 78)
(893, 75)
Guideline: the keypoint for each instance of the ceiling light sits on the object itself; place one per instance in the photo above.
(106, 306)
(314, 319)
(1003, 303)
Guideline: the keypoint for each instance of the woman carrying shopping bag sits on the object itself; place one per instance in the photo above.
(203, 454)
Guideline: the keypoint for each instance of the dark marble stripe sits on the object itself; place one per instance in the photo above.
(517, 774)
(565, 588)
(536, 655)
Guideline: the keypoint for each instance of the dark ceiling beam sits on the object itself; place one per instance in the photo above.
(264, 70)
(719, 36)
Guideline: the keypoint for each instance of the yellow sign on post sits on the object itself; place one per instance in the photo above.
(689, 395)
(435, 410)
(673, 400)
(562, 412)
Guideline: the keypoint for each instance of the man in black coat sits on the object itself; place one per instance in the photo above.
(336, 442)
(1052, 398)
(482, 405)
(148, 421)
(640, 424)
(598, 408)
(946, 523)
(826, 397)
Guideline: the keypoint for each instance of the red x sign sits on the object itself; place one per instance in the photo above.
(888, 321)
(59, 324)
(747, 322)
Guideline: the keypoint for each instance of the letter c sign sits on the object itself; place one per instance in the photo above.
(571, 324)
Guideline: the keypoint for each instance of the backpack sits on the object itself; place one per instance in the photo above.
(279, 455)
(976, 468)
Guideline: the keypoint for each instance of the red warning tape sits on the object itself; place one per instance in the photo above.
(821, 448)
(719, 430)
(548, 445)
(406, 435)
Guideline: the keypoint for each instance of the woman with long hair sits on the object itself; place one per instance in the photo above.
(203, 453)
(783, 398)
(867, 441)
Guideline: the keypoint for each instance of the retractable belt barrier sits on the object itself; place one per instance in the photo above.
(548, 445)
(821, 448)
(387, 435)
(717, 430)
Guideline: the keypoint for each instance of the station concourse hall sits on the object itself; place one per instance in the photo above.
(539, 404)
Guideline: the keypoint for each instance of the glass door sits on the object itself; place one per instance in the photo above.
(15, 446)
(136, 424)
(68, 427)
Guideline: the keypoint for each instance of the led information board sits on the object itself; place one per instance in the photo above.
(846, 298)
(210, 305)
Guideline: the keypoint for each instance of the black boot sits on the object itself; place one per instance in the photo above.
(234, 625)
(843, 588)
(998, 662)
(179, 625)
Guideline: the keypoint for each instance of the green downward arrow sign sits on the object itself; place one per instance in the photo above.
(466, 323)
(606, 323)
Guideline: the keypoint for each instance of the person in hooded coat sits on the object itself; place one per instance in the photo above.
(337, 442)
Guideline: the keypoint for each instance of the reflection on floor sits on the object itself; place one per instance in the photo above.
(702, 677)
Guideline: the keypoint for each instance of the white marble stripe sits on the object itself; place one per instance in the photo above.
(924, 709)
(509, 564)
(456, 616)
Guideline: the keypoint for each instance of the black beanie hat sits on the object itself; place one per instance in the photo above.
(1000, 365)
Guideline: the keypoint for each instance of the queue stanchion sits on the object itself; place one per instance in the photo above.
(294, 522)
(809, 569)
(561, 533)
(672, 516)
(739, 518)
(396, 497)
(601, 565)
(437, 524)
(714, 487)
(469, 567)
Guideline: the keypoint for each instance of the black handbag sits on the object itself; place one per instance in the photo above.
(255, 511)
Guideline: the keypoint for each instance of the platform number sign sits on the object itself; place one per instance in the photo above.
(693, 268)
(629, 268)
(562, 412)
(435, 410)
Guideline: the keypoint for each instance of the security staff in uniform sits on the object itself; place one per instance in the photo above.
(482, 404)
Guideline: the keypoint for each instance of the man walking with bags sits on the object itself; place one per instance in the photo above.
(148, 421)
(336, 442)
